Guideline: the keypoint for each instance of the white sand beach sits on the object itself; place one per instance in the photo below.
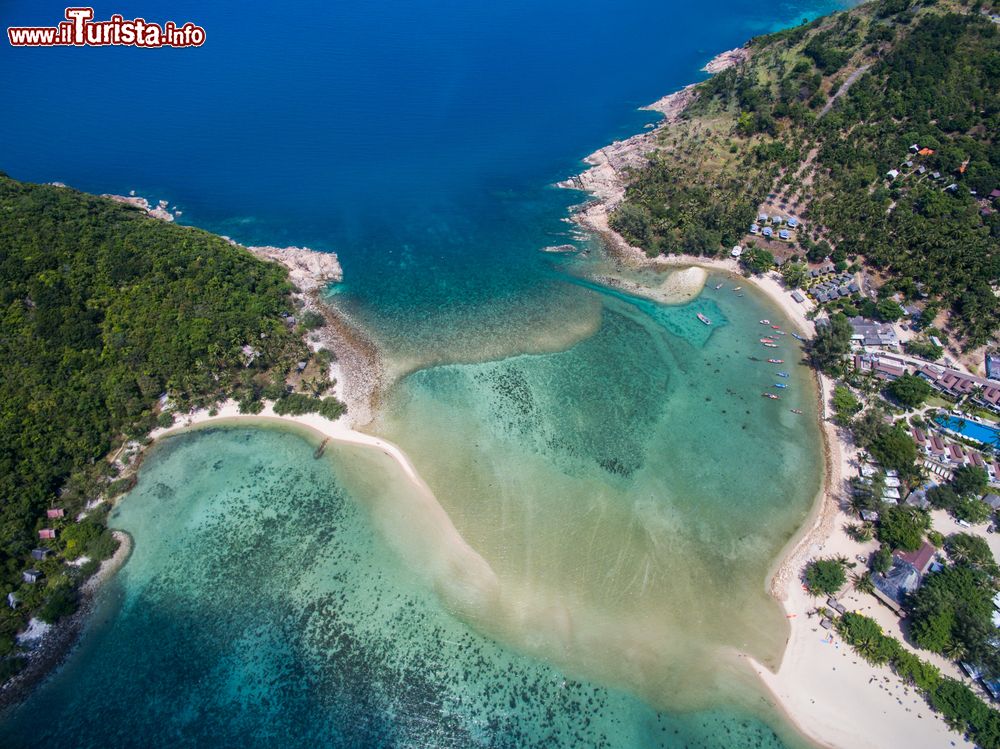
(827, 690)
(452, 566)
(829, 693)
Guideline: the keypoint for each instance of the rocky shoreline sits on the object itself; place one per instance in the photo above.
(608, 175)
(159, 210)
(59, 640)
(310, 270)
(358, 361)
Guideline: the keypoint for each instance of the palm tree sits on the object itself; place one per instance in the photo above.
(863, 582)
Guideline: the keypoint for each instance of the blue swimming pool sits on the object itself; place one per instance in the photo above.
(971, 429)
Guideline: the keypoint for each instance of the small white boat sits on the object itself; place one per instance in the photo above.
(704, 319)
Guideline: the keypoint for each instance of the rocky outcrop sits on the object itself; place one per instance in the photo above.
(310, 270)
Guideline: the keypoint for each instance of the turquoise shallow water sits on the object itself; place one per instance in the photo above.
(610, 460)
(261, 608)
(630, 491)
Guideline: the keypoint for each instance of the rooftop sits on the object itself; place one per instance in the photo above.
(920, 559)
(893, 587)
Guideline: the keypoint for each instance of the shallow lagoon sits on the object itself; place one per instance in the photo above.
(622, 499)
(260, 608)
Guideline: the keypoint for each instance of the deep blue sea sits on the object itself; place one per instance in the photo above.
(416, 139)
(420, 141)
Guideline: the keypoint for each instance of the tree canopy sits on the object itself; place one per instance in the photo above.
(910, 390)
(825, 576)
(103, 310)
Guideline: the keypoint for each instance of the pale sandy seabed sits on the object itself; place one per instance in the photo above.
(821, 688)
(650, 653)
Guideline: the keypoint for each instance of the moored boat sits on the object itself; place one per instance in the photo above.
(771, 345)
(796, 411)
(765, 322)
(772, 396)
(782, 374)
(780, 385)
(767, 340)
(775, 361)
(796, 335)
(718, 286)
(704, 319)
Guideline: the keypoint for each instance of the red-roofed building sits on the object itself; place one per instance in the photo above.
(55, 512)
(921, 558)
(47, 533)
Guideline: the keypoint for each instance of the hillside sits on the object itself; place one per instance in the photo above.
(104, 309)
(813, 124)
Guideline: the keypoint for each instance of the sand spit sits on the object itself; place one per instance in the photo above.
(456, 570)
(680, 286)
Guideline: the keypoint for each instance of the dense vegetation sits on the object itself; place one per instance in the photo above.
(825, 576)
(104, 310)
(927, 73)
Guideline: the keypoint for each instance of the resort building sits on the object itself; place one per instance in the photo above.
(893, 587)
(47, 533)
(55, 512)
(884, 369)
(981, 390)
(918, 497)
(920, 559)
(868, 333)
(31, 576)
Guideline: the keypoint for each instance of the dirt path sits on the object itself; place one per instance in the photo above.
(843, 88)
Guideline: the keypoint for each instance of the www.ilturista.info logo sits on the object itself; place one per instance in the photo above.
(80, 30)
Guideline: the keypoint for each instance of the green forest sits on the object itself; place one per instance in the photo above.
(105, 310)
(923, 74)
